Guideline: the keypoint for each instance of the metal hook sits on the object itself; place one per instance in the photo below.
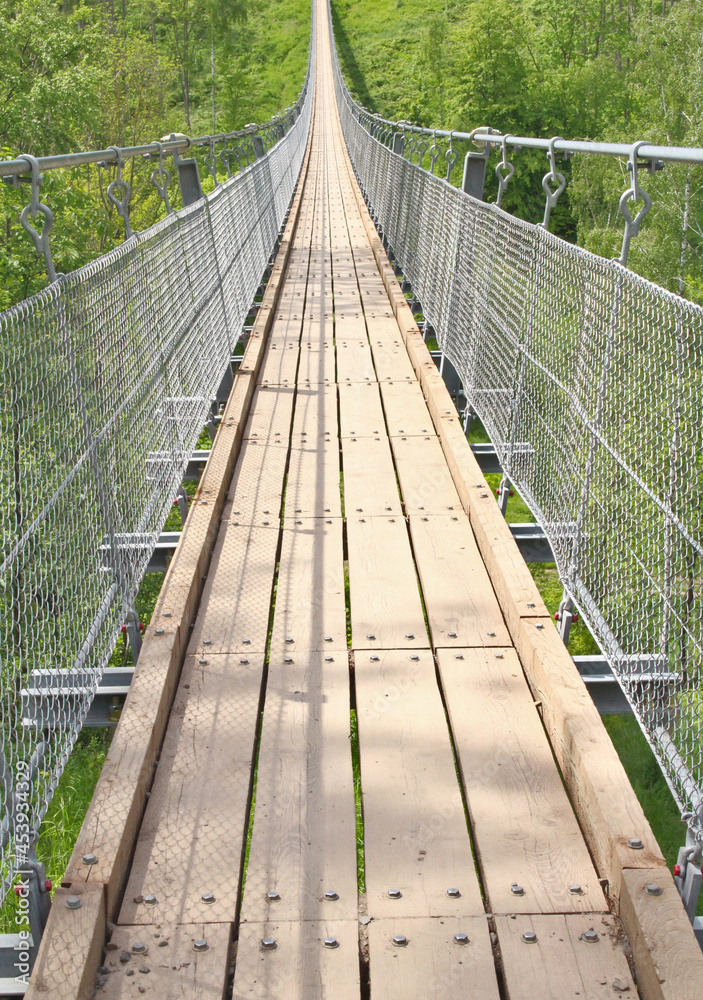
(161, 179)
(211, 160)
(434, 151)
(35, 207)
(121, 204)
(451, 155)
(632, 226)
(556, 178)
(509, 171)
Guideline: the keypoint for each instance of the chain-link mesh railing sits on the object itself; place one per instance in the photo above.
(108, 376)
(589, 382)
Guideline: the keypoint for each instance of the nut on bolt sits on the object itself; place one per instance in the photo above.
(635, 844)
(200, 945)
(331, 942)
(652, 889)
(453, 893)
(331, 894)
(395, 894)
(268, 943)
(73, 903)
(461, 938)
(273, 896)
(89, 859)
(591, 936)
(399, 940)
(517, 890)
(529, 937)
(208, 897)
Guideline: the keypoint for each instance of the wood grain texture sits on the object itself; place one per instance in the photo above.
(360, 410)
(176, 970)
(310, 611)
(280, 365)
(354, 361)
(304, 835)
(523, 825)
(370, 486)
(317, 365)
(415, 833)
(271, 413)
(561, 963)
(432, 966)
(198, 807)
(406, 410)
(666, 953)
(313, 487)
(236, 602)
(385, 599)
(69, 955)
(256, 491)
(425, 480)
(465, 613)
(300, 967)
(315, 413)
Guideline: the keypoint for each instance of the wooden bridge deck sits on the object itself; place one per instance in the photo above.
(359, 569)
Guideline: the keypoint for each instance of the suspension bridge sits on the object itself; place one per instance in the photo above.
(356, 759)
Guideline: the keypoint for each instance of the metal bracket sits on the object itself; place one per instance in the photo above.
(632, 226)
(161, 179)
(119, 185)
(474, 178)
(506, 166)
(188, 175)
(35, 207)
(554, 177)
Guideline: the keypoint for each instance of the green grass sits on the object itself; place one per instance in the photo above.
(356, 772)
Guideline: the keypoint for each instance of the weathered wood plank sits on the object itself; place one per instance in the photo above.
(405, 408)
(310, 611)
(304, 835)
(360, 410)
(256, 491)
(386, 611)
(280, 364)
(425, 480)
(313, 485)
(300, 967)
(370, 486)
(523, 825)
(271, 413)
(198, 808)
(415, 834)
(317, 365)
(354, 361)
(465, 611)
(432, 966)
(176, 970)
(562, 962)
(315, 413)
(67, 970)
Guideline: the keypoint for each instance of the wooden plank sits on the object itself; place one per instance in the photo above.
(608, 811)
(280, 364)
(360, 410)
(465, 612)
(310, 605)
(304, 835)
(256, 491)
(236, 602)
(524, 828)
(67, 972)
(415, 834)
(198, 808)
(405, 408)
(432, 966)
(300, 967)
(561, 962)
(425, 480)
(315, 413)
(176, 970)
(370, 486)
(317, 367)
(385, 599)
(354, 361)
(313, 487)
(271, 413)
(349, 325)
(665, 950)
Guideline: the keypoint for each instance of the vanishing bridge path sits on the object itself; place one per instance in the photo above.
(359, 569)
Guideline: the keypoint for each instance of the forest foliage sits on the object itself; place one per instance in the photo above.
(88, 74)
(610, 70)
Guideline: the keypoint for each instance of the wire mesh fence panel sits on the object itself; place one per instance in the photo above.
(589, 382)
(108, 376)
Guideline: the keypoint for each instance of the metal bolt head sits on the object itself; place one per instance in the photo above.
(575, 889)
(453, 893)
(399, 940)
(652, 889)
(200, 945)
(409, 635)
(150, 900)
(289, 639)
(452, 635)
(207, 642)
(273, 896)
(244, 660)
(202, 661)
(89, 859)
(395, 894)
(73, 903)
(635, 844)
(139, 948)
(374, 658)
(370, 635)
(591, 936)
(246, 641)
(158, 631)
(530, 604)
(268, 943)
(331, 894)
(331, 942)
(458, 656)
(517, 890)
(328, 638)
(208, 897)
(529, 937)
(287, 659)
(461, 938)
(415, 657)
(539, 626)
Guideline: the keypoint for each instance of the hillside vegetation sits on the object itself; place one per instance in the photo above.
(576, 68)
(87, 74)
